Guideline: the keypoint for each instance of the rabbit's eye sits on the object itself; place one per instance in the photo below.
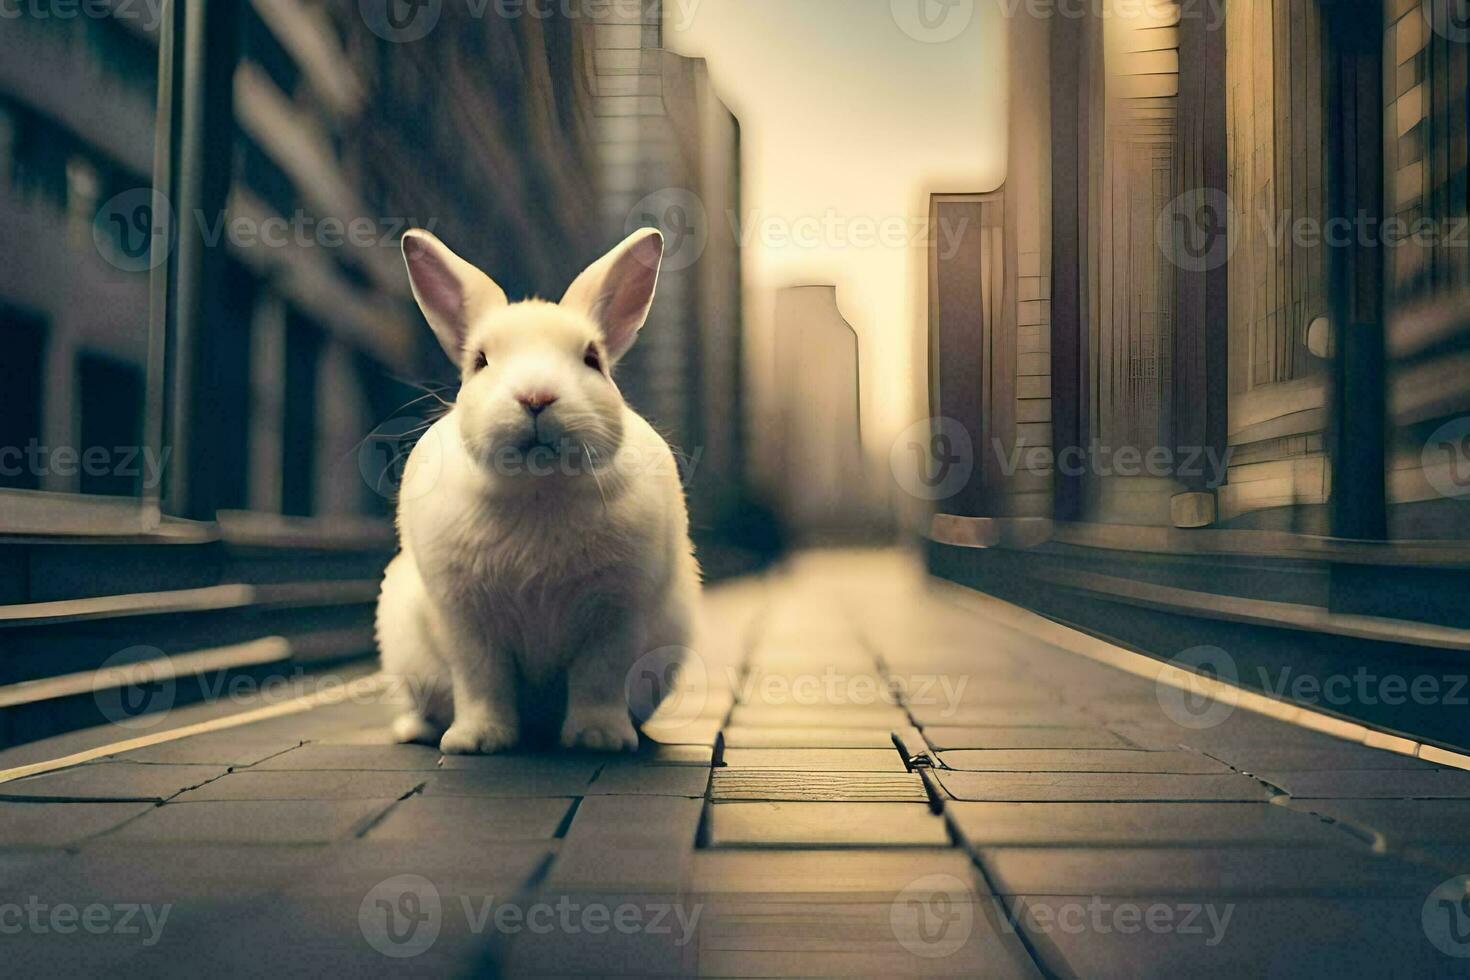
(592, 358)
(480, 361)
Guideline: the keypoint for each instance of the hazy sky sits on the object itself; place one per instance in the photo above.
(852, 112)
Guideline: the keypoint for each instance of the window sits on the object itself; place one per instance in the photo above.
(109, 411)
(22, 372)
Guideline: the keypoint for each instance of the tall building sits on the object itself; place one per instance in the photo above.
(1228, 309)
(669, 156)
(207, 388)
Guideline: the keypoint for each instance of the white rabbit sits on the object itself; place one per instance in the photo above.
(544, 535)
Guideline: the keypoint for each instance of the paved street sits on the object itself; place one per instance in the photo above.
(862, 773)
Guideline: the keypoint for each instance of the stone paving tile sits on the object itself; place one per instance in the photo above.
(1244, 732)
(1129, 707)
(678, 755)
(351, 869)
(817, 760)
(316, 755)
(1450, 860)
(1438, 784)
(809, 825)
(617, 864)
(668, 820)
(1398, 821)
(20, 867)
(1001, 716)
(986, 691)
(150, 940)
(345, 723)
(1186, 871)
(819, 716)
(1141, 824)
(62, 824)
(910, 938)
(1257, 759)
(604, 934)
(847, 875)
(336, 936)
(463, 818)
(546, 763)
(370, 908)
(846, 787)
(1068, 787)
(951, 737)
(751, 737)
(704, 731)
(508, 781)
(112, 870)
(322, 784)
(254, 821)
(1080, 760)
(1228, 938)
(1157, 736)
(122, 781)
(639, 780)
(228, 748)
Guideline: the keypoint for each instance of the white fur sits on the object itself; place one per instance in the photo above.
(526, 571)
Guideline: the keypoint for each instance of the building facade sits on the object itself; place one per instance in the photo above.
(669, 156)
(211, 366)
(1230, 283)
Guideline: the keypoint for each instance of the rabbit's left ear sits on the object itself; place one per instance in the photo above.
(616, 291)
(450, 291)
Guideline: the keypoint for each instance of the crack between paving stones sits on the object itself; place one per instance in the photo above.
(566, 821)
(601, 768)
(377, 818)
(155, 800)
(1366, 835)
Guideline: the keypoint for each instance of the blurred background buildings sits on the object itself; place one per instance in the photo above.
(252, 316)
(1111, 369)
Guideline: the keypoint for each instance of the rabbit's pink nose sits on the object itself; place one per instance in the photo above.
(536, 402)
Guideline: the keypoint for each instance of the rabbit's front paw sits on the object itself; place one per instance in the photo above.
(411, 727)
(477, 738)
(600, 731)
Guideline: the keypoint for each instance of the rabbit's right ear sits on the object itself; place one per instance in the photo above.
(450, 291)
